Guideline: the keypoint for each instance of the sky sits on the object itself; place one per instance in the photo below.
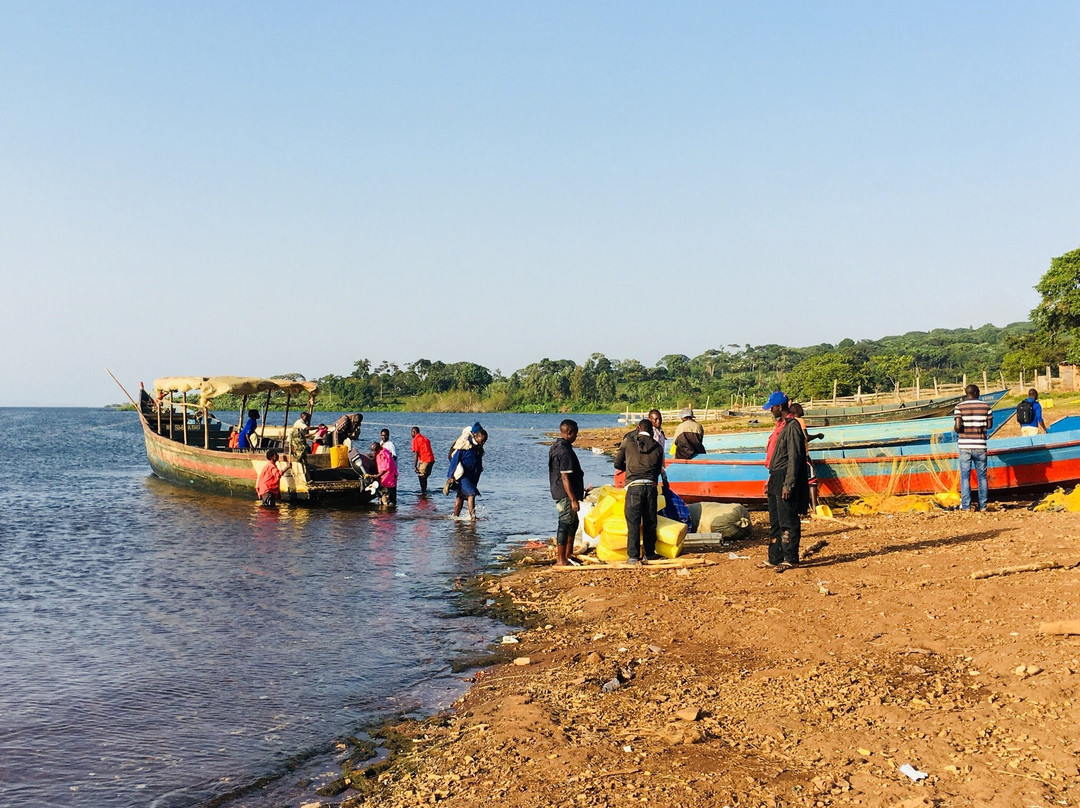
(257, 188)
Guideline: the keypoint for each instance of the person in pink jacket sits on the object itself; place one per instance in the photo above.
(388, 474)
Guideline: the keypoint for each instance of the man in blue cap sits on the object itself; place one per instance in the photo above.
(788, 488)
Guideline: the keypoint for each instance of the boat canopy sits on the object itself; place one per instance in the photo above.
(214, 386)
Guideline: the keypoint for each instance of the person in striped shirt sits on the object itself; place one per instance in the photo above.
(972, 420)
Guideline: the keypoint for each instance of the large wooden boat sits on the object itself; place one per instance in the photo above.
(185, 444)
(875, 413)
(1016, 467)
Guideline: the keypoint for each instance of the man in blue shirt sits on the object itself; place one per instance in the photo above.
(1036, 425)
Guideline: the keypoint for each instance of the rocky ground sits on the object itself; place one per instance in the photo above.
(730, 685)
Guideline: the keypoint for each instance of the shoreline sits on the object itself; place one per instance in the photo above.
(740, 686)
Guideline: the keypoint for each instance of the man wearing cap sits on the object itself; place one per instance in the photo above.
(788, 488)
(688, 435)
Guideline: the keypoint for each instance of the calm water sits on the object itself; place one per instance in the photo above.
(160, 647)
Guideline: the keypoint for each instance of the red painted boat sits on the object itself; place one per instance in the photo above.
(1016, 467)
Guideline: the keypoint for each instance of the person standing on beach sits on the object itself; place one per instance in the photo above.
(1029, 414)
(423, 457)
(657, 421)
(972, 420)
(640, 458)
(788, 489)
(567, 483)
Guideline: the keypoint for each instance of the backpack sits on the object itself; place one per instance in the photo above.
(1025, 412)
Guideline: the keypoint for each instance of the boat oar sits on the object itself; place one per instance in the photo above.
(136, 406)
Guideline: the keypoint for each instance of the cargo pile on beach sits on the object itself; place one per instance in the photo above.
(914, 660)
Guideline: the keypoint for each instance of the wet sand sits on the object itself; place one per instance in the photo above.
(741, 686)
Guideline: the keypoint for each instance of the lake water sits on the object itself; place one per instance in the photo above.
(161, 647)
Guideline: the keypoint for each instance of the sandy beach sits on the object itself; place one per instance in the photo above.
(739, 686)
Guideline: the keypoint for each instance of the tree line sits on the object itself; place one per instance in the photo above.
(602, 383)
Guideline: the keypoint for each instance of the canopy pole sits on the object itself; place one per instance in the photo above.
(285, 431)
(206, 425)
(266, 411)
(171, 415)
(183, 409)
(243, 411)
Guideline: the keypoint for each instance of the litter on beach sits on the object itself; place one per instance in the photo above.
(913, 773)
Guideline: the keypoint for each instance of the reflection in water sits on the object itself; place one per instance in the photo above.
(169, 646)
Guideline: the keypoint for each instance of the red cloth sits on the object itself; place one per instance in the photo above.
(772, 438)
(422, 447)
(234, 440)
(269, 481)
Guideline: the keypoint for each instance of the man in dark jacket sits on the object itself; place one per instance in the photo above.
(640, 457)
(788, 489)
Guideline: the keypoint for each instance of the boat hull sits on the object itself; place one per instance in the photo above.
(234, 473)
(1020, 467)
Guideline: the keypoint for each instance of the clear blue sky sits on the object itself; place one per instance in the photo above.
(257, 188)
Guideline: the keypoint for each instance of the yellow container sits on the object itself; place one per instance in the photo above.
(339, 457)
(670, 532)
(610, 556)
(602, 510)
(668, 550)
(613, 536)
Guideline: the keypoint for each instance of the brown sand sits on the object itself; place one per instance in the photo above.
(744, 687)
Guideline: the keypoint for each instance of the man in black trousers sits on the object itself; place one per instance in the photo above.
(788, 488)
(640, 457)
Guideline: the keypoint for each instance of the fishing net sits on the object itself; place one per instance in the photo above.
(889, 492)
(1060, 501)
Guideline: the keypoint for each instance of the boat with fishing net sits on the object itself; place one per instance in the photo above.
(877, 433)
(1016, 467)
(188, 445)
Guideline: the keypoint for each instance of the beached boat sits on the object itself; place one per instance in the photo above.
(187, 445)
(902, 411)
(1016, 467)
(878, 433)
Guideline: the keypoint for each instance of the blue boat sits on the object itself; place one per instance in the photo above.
(880, 433)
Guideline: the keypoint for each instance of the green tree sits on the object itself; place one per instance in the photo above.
(1057, 317)
(813, 377)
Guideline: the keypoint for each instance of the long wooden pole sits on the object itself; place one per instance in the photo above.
(183, 409)
(285, 432)
(266, 411)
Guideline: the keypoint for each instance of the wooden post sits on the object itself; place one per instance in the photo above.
(935, 387)
(918, 386)
(1049, 381)
(157, 409)
(834, 391)
(206, 425)
(171, 416)
(986, 384)
(183, 410)
(285, 434)
(1021, 380)
(963, 383)
(243, 412)
(858, 395)
(262, 428)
